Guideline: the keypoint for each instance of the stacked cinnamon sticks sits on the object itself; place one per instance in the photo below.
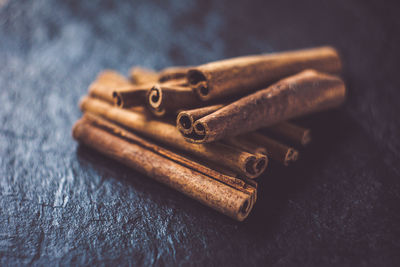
(208, 131)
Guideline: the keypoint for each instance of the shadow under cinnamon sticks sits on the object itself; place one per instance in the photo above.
(274, 192)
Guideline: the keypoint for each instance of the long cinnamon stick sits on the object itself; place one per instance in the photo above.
(246, 74)
(239, 161)
(186, 118)
(140, 75)
(196, 185)
(306, 92)
(173, 73)
(236, 183)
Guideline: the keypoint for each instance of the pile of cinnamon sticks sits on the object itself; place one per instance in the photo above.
(208, 131)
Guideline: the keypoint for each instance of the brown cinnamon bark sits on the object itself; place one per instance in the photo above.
(186, 118)
(210, 192)
(168, 98)
(106, 83)
(247, 74)
(131, 95)
(275, 150)
(238, 161)
(140, 75)
(290, 132)
(173, 73)
(236, 183)
(306, 92)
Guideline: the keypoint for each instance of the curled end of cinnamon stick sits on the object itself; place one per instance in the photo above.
(198, 134)
(154, 101)
(118, 101)
(291, 156)
(184, 123)
(306, 138)
(198, 81)
(255, 165)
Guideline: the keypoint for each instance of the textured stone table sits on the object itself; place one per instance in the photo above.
(65, 204)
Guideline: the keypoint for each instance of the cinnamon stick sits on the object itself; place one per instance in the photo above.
(290, 132)
(131, 95)
(168, 98)
(306, 92)
(246, 74)
(186, 118)
(106, 83)
(274, 149)
(140, 75)
(210, 192)
(238, 161)
(173, 73)
(101, 123)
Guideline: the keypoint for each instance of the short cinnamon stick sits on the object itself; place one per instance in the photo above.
(106, 83)
(290, 132)
(274, 149)
(168, 98)
(219, 196)
(131, 95)
(238, 161)
(306, 92)
(247, 74)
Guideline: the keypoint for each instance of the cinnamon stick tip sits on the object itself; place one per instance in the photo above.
(154, 96)
(198, 81)
(184, 122)
(291, 156)
(117, 99)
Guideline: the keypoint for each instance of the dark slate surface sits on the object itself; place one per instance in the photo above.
(64, 204)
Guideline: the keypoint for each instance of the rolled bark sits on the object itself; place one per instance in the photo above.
(173, 73)
(210, 192)
(168, 98)
(140, 75)
(105, 85)
(306, 92)
(186, 118)
(290, 132)
(131, 95)
(238, 161)
(275, 150)
(230, 180)
(246, 74)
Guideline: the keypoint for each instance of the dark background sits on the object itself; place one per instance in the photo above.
(60, 203)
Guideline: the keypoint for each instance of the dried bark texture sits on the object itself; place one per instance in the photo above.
(140, 75)
(291, 132)
(274, 149)
(131, 95)
(186, 118)
(232, 158)
(106, 83)
(247, 74)
(169, 98)
(206, 190)
(236, 183)
(297, 95)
